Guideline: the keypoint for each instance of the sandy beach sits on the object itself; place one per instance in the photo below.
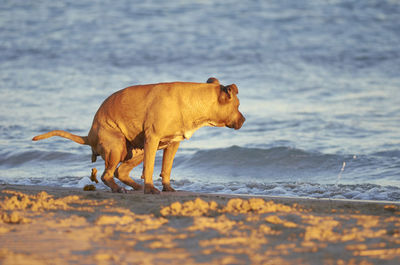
(47, 225)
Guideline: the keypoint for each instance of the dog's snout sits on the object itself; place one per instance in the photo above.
(240, 122)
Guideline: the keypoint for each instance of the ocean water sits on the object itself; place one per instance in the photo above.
(319, 84)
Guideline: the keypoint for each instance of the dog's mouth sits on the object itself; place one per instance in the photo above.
(233, 125)
(237, 124)
(215, 124)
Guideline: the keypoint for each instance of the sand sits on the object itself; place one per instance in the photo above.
(47, 225)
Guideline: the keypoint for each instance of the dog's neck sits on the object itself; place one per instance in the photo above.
(200, 109)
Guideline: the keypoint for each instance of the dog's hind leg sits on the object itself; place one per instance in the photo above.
(111, 164)
(122, 172)
(113, 151)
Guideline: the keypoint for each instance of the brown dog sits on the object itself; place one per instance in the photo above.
(133, 123)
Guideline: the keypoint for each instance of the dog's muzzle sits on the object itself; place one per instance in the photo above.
(238, 123)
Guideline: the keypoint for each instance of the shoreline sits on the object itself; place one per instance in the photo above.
(42, 225)
(33, 187)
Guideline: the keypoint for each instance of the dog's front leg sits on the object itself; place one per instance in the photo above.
(150, 149)
(168, 159)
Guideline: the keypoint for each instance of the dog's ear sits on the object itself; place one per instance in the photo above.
(226, 93)
(213, 80)
(234, 88)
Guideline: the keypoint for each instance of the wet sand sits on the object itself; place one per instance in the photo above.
(47, 225)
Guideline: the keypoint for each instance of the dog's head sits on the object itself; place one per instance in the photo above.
(228, 106)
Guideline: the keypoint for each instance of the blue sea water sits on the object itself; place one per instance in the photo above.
(318, 81)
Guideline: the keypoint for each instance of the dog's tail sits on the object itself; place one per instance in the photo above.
(76, 138)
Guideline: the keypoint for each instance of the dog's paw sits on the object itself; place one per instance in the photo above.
(137, 187)
(168, 188)
(150, 189)
(120, 190)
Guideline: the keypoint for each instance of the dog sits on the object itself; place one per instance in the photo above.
(135, 122)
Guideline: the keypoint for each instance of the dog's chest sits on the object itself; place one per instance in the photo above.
(180, 136)
(188, 133)
(177, 137)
